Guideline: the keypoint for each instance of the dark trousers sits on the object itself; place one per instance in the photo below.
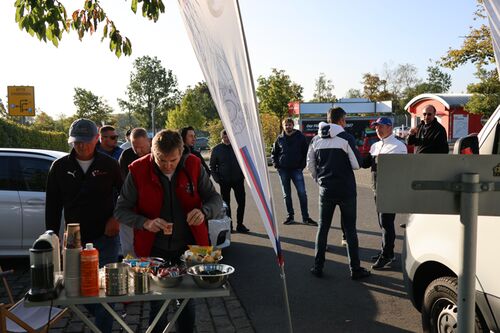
(185, 321)
(386, 223)
(239, 193)
(348, 214)
(296, 176)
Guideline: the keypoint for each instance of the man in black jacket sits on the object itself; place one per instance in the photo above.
(227, 173)
(189, 137)
(83, 183)
(289, 158)
(430, 136)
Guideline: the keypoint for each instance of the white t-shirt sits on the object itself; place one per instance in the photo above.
(388, 145)
(85, 164)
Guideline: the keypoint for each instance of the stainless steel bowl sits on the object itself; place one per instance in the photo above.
(210, 276)
(167, 281)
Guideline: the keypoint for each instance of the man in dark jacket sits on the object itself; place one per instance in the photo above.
(83, 183)
(430, 136)
(227, 173)
(168, 197)
(289, 158)
(189, 137)
(331, 159)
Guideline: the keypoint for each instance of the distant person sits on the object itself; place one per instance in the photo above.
(109, 142)
(429, 136)
(82, 185)
(289, 155)
(227, 173)
(189, 137)
(331, 159)
(126, 144)
(165, 188)
(388, 144)
(141, 146)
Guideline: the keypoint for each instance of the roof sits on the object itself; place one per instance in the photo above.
(448, 100)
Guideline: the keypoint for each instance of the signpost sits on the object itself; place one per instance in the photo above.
(468, 185)
(21, 100)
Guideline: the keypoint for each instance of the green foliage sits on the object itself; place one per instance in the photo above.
(354, 93)
(200, 99)
(374, 88)
(182, 116)
(276, 91)
(214, 128)
(271, 128)
(48, 19)
(13, 135)
(486, 96)
(151, 86)
(323, 91)
(91, 106)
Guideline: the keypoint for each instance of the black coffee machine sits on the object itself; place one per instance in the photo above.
(43, 287)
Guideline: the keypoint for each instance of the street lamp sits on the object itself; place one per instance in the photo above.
(153, 108)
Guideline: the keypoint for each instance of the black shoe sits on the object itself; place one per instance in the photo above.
(381, 262)
(317, 272)
(360, 273)
(241, 228)
(310, 221)
(289, 220)
(375, 257)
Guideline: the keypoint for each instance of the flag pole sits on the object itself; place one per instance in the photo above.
(280, 254)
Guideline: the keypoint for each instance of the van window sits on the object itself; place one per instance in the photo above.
(7, 182)
(32, 173)
(496, 144)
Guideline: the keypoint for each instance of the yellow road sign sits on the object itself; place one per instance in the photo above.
(21, 100)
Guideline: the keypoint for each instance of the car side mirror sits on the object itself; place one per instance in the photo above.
(468, 145)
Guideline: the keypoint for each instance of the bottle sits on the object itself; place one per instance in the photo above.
(89, 271)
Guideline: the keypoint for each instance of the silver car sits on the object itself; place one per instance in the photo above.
(23, 177)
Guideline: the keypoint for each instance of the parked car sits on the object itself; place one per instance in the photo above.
(23, 175)
(201, 143)
(369, 137)
(431, 260)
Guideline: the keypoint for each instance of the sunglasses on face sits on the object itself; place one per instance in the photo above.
(112, 137)
(428, 114)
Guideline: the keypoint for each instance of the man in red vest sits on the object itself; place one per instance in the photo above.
(168, 197)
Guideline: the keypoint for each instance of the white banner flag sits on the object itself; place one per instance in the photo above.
(493, 11)
(216, 33)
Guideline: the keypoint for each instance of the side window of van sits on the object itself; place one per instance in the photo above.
(496, 144)
(33, 173)
(7, 182)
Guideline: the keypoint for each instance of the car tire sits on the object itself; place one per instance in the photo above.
(439, 307)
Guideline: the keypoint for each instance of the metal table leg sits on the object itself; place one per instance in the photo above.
(176, 315)
(117, 317)
(160, 313)
(84, 318)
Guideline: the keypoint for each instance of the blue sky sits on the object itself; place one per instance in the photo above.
(342, 39)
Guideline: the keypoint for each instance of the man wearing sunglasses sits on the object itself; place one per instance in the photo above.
(109, 142)
(430, 136)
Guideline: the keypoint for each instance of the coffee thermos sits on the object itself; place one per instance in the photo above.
(41, 271)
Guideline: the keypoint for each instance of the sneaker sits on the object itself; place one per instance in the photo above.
(375, 257)
(381, 262)
(317, 272)
(344, 242)
(310, 221)
(289, 220)
(360, 273)
(241, 228)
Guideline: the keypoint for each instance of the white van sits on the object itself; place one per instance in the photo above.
(431, 260)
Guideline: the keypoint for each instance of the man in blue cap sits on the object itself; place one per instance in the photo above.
(388, 144)
(82, 184)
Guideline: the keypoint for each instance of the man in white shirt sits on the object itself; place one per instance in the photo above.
(388, 144)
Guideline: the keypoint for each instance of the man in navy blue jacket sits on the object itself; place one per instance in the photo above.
(331, 159)
(289, 158)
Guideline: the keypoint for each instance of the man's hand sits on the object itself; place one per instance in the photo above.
(155, 225)
(195, 217)
(112, 227)
(413, 131)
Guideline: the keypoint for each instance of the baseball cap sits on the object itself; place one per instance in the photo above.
(82, 130)
(382, 121)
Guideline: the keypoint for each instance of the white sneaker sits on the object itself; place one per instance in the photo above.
(344, 242)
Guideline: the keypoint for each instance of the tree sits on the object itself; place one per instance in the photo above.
(403, 77)
(323, 91)
(439, 82)
(486, 93)
(44, 122)
(182, 116)
(276, 91)
(199, 99)
(271, 128)
(353, 93)
(151, 87)
(91, 106)
(374, 88)
(48, 20)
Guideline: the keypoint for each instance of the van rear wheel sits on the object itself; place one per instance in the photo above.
(439, 308)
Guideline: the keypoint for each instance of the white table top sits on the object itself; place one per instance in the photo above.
(186, 289)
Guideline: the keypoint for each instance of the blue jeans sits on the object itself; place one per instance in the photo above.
(108, 248)
(296, 176)
(348, 214)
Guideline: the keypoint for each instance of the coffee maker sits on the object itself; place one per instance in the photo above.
(43, 287)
